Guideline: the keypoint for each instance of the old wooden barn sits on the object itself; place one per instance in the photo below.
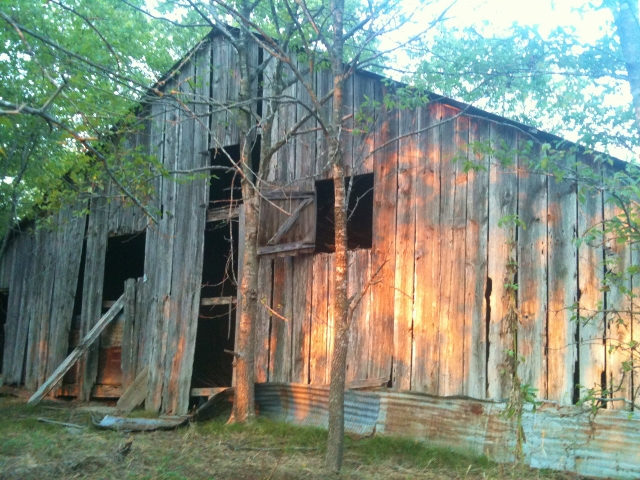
(434, 237)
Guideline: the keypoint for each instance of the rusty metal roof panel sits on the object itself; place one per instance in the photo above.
(472, 425)
(309, 405)
(558, 438)
(571, 439)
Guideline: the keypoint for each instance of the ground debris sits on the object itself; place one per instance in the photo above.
(124, 424)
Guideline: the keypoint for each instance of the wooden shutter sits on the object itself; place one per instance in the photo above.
(287, 223)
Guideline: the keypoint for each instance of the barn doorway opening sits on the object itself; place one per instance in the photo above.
(4, 303)
(124, 260)
(212, 366)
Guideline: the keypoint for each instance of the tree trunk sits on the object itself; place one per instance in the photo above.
(625, 14)
(244, 403)
(335, 440)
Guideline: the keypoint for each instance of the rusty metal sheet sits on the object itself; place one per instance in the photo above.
(558, 438)
(309, 405)
(473, 425)
(571, 439)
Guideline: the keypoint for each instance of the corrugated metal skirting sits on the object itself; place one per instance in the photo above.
(559, 438)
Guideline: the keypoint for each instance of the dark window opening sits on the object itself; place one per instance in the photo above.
(359, 214)
(124, 260)
(212, 366)
(225, 184)
(4, 303)
(220, 260)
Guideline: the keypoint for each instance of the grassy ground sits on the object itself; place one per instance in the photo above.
(264, 450)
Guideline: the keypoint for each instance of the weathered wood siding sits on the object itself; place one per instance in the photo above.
(42, 272)
(445, 264)
(440, 273)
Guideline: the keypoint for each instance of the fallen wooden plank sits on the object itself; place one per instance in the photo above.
(136, 393)
(141, 424)
(82, 347)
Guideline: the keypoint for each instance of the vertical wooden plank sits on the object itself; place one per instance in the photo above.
(475, 338)
(319, 315)
(37, 296)
(305, 142)
(591, 298)
(41, 322)
(532, 271)
(563, 290)
(190, 211)
(161, 257)
(15, 280)
(385, 194)
(281, 321)
(301, 321)
(424, 375)
(365, 89)
(232, 79)
(287, 117)
(155, 261)
(359, 347)
(51, 245)
(454, 140)
(346, 134)
(71, 236)
(22, 274)
(408, 161)
(92, 292)
(141, 330)
(502, 253)
(618, 304)
(324, 82)
(129, 341)
(263, 322)
(182, 282)
(331, 262)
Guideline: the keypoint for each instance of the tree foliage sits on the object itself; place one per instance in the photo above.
(555, 81)
(72, 72)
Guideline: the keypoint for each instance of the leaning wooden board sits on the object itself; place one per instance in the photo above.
(82, 347)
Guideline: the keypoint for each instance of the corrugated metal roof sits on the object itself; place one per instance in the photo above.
(559, 438)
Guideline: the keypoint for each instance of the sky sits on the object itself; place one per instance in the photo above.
(547, 14)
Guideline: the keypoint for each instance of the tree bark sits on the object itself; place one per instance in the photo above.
(335, 440)
(244, 403)
(625, 14)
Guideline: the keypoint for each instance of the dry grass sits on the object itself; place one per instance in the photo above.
(264, 450)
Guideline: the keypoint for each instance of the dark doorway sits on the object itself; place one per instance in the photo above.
(4, 302)
(212, 366)
(124, 260)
